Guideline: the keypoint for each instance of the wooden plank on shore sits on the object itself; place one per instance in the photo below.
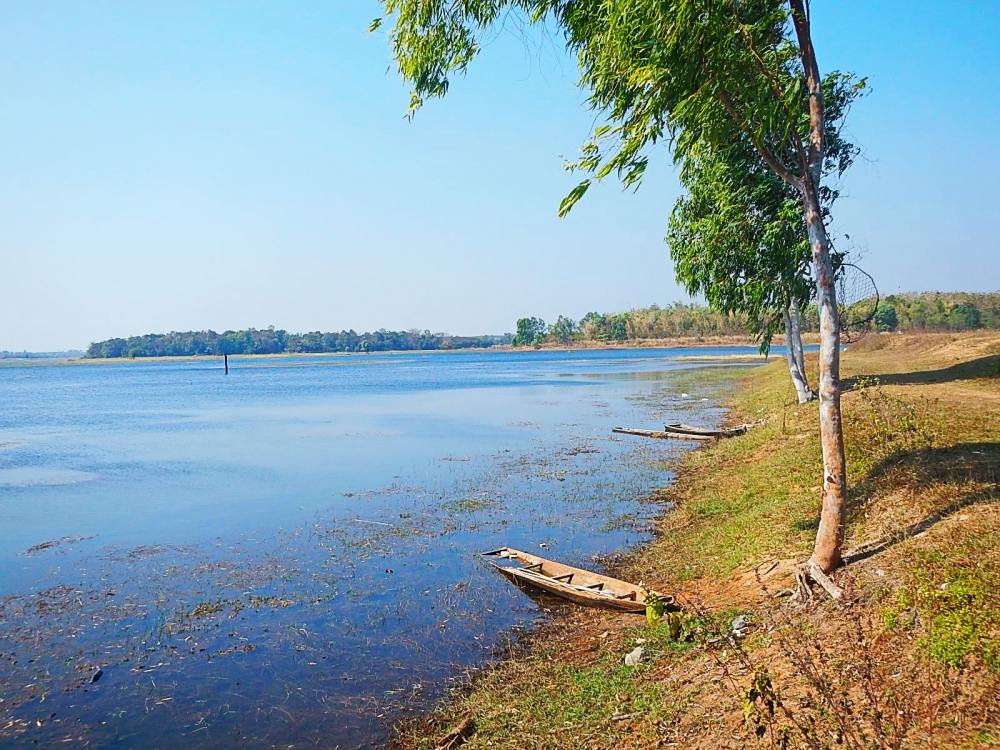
(660, 435)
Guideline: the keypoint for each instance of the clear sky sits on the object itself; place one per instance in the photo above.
(187, 165)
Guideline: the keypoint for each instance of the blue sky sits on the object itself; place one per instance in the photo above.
(179, 165)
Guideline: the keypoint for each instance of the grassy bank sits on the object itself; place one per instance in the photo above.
(910, 659)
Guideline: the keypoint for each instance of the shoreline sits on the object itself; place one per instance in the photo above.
(680, 342)
(566, 620)
(691, 342)
(737, 524)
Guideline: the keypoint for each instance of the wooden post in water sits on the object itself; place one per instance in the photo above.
(225, 362)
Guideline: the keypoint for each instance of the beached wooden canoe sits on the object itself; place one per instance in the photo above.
(577, 585)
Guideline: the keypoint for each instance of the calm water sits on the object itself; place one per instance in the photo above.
(286, 556)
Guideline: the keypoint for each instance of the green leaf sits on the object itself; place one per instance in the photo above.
(375, 25)
(571, 200)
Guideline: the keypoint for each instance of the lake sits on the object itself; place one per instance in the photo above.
(287, 555)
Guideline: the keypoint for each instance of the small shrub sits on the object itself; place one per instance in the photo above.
(894, 425)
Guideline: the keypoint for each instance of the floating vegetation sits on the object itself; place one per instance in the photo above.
(582, 449)
(204, 609)
(392, 489)
(628, 522)
(36, 548)
(470, 505)
(269, 601)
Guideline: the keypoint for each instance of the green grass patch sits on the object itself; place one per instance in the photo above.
(743, 498)
(951, 602)
(570, 703)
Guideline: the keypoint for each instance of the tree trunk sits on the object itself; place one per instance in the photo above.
(830, 536)
(797, 373)
(796, 320)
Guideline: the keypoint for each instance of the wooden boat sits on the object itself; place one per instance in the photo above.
(686, 429)
(575, 584)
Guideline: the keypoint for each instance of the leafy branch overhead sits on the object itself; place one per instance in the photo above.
(713, 72)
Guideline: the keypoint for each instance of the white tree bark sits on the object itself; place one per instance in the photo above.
(830, 535)
(800, 360)
(795, 369)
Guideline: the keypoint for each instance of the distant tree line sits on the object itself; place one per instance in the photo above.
(654, 322)
(956, 311)
(271, 341)
(929, 311)
(925, 311)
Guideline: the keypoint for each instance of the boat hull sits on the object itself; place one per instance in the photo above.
(575, 584)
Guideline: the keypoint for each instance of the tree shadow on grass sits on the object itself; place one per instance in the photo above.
(975, 463)
(975, 368)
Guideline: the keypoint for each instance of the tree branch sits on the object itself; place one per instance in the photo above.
(766, 154)
(795, 138)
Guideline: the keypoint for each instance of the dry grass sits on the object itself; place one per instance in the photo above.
(913, 658)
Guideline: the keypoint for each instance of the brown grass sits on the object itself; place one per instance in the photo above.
(910, 660)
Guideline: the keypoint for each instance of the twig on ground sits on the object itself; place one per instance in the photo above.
(458, 734)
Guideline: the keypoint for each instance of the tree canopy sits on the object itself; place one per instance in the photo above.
(691, 71)
(529, 331)
(271, 341)
(688, 71)
(738, 235)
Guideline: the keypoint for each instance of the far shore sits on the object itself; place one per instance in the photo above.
(686, 342)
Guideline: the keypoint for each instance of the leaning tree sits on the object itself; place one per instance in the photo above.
(689, 71)
(737, 238)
